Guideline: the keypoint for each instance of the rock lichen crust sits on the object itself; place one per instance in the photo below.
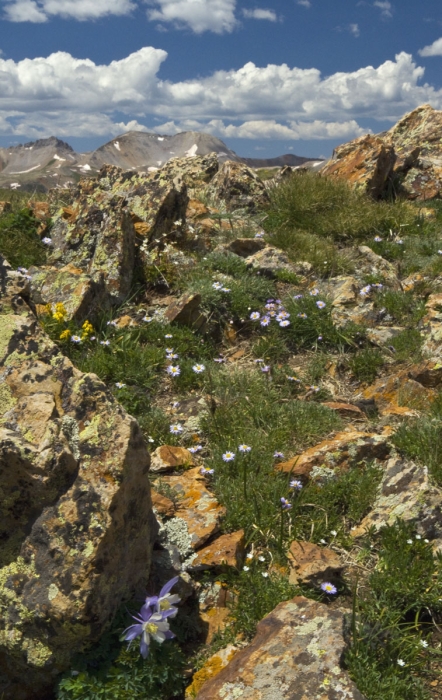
(295, 655)
(76, 518)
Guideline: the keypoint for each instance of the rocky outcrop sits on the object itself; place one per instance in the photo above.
(406, 492)
(239, 187)
(365, 162)
(76, 518)
(406, 160)
(297, 652)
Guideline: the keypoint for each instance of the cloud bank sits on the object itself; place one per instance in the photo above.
(76, 97)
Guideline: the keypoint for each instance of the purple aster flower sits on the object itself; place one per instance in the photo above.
(105, 342)
(297, 296)
(194, 450)
(378, 239)
(278, 455)
(265, 321)
(228, 456)
(219, 359)
(329, 588)
(176, 428)
(320, 304)
(149, 624)
(296, 484)
(255, 315)
(205, 471)
(302, 315)
(284, 323)
(285, 505)
(198, 369)
(314, 292)
(265, 368)
(46, 240)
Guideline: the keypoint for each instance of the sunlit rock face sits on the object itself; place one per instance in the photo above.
(75, 510)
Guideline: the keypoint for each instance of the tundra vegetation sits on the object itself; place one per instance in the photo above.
(271, 396)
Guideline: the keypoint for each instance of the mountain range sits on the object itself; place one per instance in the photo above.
(46, 163)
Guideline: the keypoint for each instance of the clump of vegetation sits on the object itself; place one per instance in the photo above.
(393, 617)
(365, 364)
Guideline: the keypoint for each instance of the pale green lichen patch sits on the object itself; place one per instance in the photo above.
(8, 325)
(53, 591)
(37, 653)
(7, 401)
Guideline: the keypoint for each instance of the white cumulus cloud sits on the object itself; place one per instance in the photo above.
(304, 3)
(42, 10)
(217, 16)
(267, 129)
(258, 13)
(69, 96)
(434, 49)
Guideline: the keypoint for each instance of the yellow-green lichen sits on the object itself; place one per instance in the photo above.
(7, 401)
(8, 325)
(37, 653)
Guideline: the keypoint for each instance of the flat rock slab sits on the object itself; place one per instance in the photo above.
(338, 451)
(197, 507)
(312, 564)
(406, 492)
(295, 655)
(186, 311)
(226, 550)
(399, 394)
(269, 261)
(168, 457)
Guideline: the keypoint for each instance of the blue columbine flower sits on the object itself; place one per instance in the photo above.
(149, 624)
(164, 602)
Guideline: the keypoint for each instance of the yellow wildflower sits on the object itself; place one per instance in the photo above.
(60, 312)
(65, 335)
(88, 329)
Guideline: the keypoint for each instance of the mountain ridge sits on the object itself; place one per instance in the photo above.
(46, 163)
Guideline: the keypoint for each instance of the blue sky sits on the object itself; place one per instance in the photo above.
(268, 78)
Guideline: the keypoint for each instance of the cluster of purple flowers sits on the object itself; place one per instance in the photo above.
(152, 620)
(274, 309)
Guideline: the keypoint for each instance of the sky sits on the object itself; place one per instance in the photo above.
(267, 77)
